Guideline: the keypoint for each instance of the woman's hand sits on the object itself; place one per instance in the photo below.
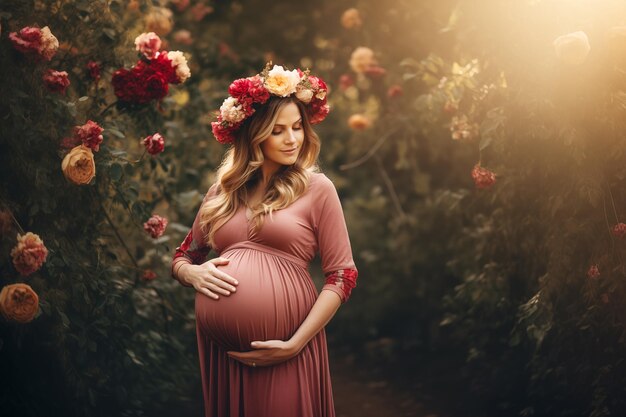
(267, 353)
(208, 279)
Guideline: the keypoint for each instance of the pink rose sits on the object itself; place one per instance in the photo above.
(154, 144)
(29, 254)
(155, 226)
(39, 42)
(593, 272)
(483, 178)
(56, 81)
(148, 44)
(90, 134)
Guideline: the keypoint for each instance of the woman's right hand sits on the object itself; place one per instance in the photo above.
(208, 279)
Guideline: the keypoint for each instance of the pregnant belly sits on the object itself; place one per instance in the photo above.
(273, 298)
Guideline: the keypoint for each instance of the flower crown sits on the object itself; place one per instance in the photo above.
(246, 95)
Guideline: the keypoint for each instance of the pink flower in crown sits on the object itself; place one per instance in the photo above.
(319, 112)
(483, 178)
(56, 81)
(223, 132)
(90, 134)
(155, 144)
(232, 111)
(249, 91)
(148, 44)
(155, 226)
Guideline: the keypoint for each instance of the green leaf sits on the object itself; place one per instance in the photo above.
(116, 172)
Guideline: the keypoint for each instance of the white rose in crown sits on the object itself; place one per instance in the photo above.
(304, 94)
(573, 48)
(232, 111)
(281, 82)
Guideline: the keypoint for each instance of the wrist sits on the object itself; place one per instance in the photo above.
(181, 274)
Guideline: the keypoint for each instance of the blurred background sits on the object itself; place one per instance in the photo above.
(477, 147)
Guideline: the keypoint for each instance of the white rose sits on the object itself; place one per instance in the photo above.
(361, 59)
(281, 82)
(180, 62)
(49, 43)
(304, 94)
(573, 48)
(232, 111)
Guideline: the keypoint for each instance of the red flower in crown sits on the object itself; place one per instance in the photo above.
(247, 94)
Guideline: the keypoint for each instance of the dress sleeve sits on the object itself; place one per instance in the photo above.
(340, 272)
(193, 249)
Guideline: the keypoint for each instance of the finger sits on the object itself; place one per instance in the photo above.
(208, 293)
(243, 355)
(262, 345)
(219, 261)
(224, 276)
(222, 284)
(215, 288)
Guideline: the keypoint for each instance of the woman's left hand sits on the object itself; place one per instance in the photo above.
(267, 353)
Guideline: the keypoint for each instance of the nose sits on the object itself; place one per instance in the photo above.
(291, 136)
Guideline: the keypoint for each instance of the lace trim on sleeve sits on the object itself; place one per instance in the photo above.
(342, 279)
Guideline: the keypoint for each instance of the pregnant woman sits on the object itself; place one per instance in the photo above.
(260, 320)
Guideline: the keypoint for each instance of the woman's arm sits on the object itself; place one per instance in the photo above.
(323, 310)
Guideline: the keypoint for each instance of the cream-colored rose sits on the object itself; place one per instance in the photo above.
(18, 302)
(304, 94)
(573, 48)
(232, 111)
(160, 21)
(281, 82)
(351, 19)
(78, 165)
(361, 59)
(49, 43)
(180, 62)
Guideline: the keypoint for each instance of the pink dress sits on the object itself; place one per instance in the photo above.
(274, 296)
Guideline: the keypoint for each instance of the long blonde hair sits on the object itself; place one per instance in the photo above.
(240, 170)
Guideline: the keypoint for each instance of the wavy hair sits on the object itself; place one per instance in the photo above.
(240, 170)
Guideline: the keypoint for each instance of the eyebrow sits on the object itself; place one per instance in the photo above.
(299, 120)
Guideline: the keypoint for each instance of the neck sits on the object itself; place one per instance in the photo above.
(268, 169)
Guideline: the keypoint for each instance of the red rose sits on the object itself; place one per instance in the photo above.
(155, 226)
(94, 70)
(483, 178)
(56, 81)
(125, 85)
(318, 110)
(223, 134)
(155, 88)
(154, 144)
(148, 275)
(90, 134)
(160, 64)
(619, 230)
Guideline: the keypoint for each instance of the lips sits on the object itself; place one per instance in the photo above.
(290, 150)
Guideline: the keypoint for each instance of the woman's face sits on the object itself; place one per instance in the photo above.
(284, 144)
